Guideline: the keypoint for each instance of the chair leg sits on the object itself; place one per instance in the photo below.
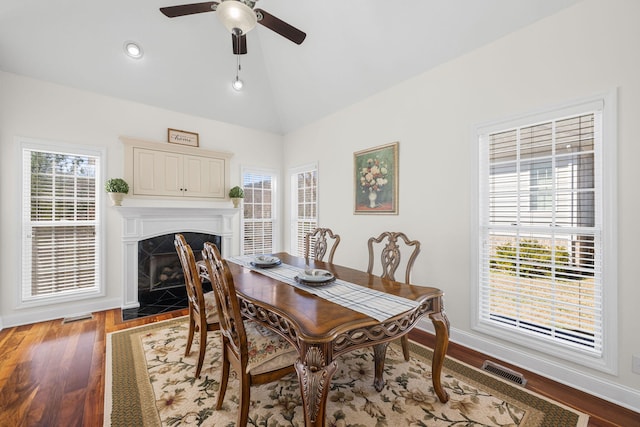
(192, 327)
(245, 386)
(405, 347)
(203, 348)
(224, 379)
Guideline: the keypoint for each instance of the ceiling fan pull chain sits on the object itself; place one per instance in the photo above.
(237, 83)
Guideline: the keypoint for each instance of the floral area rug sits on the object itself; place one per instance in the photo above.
(149, 382)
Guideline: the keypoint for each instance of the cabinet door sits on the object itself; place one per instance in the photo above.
(203, 177)
(157, 173)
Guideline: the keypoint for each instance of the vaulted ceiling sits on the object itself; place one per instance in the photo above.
(353, 49)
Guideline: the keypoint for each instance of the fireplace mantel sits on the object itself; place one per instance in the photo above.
(139, 223)
(173, 211)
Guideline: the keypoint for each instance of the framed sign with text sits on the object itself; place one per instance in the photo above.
(183, 137)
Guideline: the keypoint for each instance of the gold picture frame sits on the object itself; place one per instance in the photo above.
(376, 180)
(182, 137)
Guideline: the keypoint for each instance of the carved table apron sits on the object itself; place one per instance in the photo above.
(321, 330)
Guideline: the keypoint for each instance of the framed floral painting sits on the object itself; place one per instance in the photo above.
(376, 180)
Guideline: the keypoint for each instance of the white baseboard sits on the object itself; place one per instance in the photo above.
(44, 314)
(615, 393)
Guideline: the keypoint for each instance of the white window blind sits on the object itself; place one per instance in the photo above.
(60, 224)
(304, 183)
(541, 230)
(258, 220)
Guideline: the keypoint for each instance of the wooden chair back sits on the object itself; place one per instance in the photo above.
(318, 242)
(390, 244)
(390, 254)
(202, 313)
(231, 323)
(238, 337)
(195, 293)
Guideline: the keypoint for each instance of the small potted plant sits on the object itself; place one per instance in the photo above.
(236, 194)
(117, 188)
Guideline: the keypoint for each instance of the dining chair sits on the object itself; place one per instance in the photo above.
(203, 315)
(390, 260)
(257, 354)
(316, 241)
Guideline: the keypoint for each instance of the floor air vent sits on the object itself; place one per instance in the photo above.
(70, 319)
(503, 372)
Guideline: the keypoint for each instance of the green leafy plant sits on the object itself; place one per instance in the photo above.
(236, 192)
(116, 185)
(532, 259)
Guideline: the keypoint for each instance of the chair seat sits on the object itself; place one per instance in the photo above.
(267, 350)
(210, 307)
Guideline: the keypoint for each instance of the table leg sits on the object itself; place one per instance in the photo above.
(379, 354)
(314, 375)
(441, 325)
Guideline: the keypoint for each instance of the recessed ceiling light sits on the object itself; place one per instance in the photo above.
(133, 49)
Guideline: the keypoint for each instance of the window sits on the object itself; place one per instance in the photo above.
(304, 203)
(541, 186)
(540, 278)
(60, 238)
(258, 221)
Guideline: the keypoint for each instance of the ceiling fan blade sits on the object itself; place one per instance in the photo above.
(239, 44)
(188, 9)
(279, 26)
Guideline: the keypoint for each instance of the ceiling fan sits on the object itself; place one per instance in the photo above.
(239, 17)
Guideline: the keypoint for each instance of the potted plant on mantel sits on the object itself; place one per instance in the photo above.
(117, 188)
(236, 194)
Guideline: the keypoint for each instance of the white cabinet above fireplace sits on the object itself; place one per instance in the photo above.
(164, 173)
(175, 171)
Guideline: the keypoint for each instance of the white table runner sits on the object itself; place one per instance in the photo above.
(379, 305)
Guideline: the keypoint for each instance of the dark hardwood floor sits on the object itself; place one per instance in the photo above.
(52, 374)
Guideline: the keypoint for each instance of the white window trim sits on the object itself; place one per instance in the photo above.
(48, 145)
(608, 361)
(294, 199)
(274, 209)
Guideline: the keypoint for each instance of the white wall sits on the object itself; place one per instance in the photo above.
(35, 109)
(584, 50)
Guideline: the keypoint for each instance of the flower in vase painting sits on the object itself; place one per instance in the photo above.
(373, 176)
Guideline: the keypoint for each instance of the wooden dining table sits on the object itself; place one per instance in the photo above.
(321, 330)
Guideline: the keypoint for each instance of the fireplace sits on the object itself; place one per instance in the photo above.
(147, 237)
(159, 267)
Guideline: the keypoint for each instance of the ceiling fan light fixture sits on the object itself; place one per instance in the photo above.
(235, 14)
(133, 49)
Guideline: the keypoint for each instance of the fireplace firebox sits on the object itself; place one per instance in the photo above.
(158, 265)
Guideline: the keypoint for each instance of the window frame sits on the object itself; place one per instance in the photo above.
(274, 205)
(606, 361)
(71, 149)
(297, 241)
